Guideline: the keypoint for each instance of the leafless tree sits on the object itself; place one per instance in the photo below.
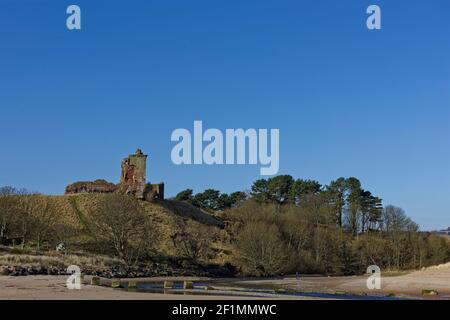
(191, 241)
(120, 220)
(261, 249)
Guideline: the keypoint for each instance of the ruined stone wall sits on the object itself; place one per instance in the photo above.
(97, 186)
(154, 191)
(132, 179)
(158, 190)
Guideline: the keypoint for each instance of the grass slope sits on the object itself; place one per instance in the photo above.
(168, 216)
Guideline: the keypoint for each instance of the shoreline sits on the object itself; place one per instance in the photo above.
(407, 286)
(54, 288)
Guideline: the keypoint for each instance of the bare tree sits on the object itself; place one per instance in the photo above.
(190, 240)
(43, 219)
(7, 206)
(8, 209)
(36, 217)
(120, 220)
(260, 249)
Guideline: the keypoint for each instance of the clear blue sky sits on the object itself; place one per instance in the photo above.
(348, 101)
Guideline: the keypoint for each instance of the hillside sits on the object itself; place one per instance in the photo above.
(171, 237)
(446, 237)
(167, 218)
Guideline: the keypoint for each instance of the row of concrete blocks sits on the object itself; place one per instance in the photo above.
(116, 283)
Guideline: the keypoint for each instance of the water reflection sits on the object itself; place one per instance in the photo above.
(202, 288)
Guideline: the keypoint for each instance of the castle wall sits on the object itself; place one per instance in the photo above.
(133, 174)
(132, 181)
(97, 186)
(154, 191)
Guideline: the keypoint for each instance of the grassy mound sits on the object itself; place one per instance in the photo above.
(169, 220)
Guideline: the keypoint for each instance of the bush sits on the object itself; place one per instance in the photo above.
(261, 250)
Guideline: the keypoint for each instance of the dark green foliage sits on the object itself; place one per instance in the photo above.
(185, 195)
(211, 199)
(237, 197)
(277, 189)
(260, 190)
(336, 192)
(301, 189)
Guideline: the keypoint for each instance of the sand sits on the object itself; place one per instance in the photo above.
(409, 285)
(54, 288)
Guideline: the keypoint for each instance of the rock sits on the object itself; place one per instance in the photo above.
(132, 284)
(340, 292)
(4, 271)
(32, 271)
(95, 281)
(188, 285)
(429, 292)
(52, 271)
(115, 283)
(389, 295)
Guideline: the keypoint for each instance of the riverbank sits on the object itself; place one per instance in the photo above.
(409, 285)
(54, 288)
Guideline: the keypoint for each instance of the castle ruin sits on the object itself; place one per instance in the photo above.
(132, 178)
(132, 181)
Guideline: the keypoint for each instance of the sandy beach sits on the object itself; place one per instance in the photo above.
(54, 288)
(408, 285)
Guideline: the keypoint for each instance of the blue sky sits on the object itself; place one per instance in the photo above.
(348, 101)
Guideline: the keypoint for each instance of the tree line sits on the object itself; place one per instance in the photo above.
(287, 225)
(211, 199)
(25, 215)
(354, 207)
(281, 225)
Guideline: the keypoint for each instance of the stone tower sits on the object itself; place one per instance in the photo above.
(132, 181)
(133, 174)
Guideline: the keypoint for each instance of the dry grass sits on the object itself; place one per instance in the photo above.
(446, 237)
(438, 267)
(167, 217)
(57, 260)
(186, 210)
